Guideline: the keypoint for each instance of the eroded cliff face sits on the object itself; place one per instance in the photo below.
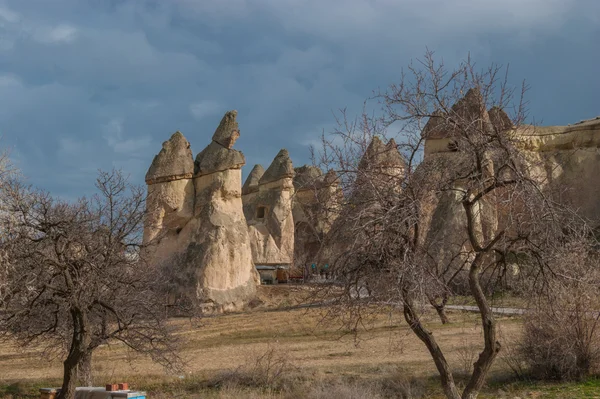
(566, 160)
(563, 159)
(196, 226)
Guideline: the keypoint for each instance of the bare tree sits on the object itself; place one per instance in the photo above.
(72, 279)
(462, 203)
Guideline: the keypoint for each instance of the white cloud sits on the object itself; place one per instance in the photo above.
(113, 134)
(8, 15)
(204, 108)
(9, 80)
(59, 34)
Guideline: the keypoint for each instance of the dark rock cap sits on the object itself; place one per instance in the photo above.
(216, 158)
(174, 161)
(251, 183)
(471, 106)
(280, 168)
(228, 131)
(219, 155)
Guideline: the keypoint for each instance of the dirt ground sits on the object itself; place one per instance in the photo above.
(225, 342)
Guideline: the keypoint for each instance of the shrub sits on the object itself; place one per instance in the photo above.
(269, 369)
(561, 337)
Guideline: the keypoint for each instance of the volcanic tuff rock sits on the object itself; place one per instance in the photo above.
(445, 227)
(500, 119)
(268, 209)
(280, 168)
(565, 160)
(174, 161)
(209, 229)
(228, 131)
(251, 184)
(562, 159)
(219, 156)
(170, 190)
(380, 170)
(468, 111)
(207, 248)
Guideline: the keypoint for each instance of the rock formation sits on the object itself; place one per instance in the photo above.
(380, 170)
(170, 202)
(566, 159)
(317, 202)
(210, 231)
(267, 197)
(444, 222)
(562, 159)
(197, 227)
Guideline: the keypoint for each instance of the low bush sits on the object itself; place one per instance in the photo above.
(561, 337)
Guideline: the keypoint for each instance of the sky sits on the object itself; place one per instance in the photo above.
(96, 84)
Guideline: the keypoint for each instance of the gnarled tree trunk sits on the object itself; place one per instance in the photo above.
(488, 322)
(84, 370)
(440, 308)
(439, 359)
(78, 350)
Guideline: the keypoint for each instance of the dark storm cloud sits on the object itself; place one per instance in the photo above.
(87, 85)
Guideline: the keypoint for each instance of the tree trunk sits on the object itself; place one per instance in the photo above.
(441, 311)
(440, 308)
(439, 359)
(84, 370)
(78, 350)
(488, 323)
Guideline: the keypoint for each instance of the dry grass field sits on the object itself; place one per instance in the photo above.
(273, 351)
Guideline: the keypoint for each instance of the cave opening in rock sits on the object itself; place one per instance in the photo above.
(260, 212)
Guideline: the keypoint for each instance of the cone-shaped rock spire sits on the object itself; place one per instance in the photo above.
(280, 168)
(174, 161)
(228, 131)
(219, 155)
(500, 119)
(380, 155)
(467, 110)
(251, 183)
